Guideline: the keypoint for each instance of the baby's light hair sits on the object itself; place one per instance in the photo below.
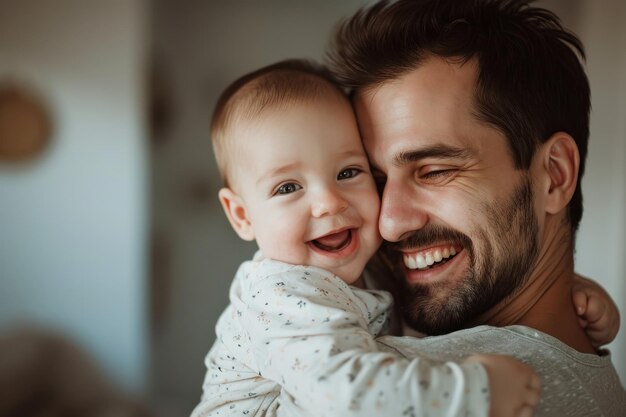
(246, 98)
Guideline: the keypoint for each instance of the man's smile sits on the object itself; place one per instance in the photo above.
(431, 257)
(442, 262)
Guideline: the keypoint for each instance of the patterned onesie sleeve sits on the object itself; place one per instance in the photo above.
(311, 333)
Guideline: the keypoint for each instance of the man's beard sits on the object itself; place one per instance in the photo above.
(508, 253)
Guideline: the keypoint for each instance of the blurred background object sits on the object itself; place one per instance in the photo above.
(113, 237)
(25, 123)
(44, 374)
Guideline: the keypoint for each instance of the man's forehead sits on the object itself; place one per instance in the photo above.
(433, 69)
(434, 102)
(428, 113)
(435, 80)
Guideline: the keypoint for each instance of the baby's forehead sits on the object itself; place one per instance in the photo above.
(285, 110)
(324, 125)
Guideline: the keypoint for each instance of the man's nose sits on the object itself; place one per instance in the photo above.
(328, 202)
(400, 212)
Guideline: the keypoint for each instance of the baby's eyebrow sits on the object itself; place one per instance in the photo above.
(282, 169)
(435, 151)
(352, 153)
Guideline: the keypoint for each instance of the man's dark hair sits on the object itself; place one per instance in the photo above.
(531, 82)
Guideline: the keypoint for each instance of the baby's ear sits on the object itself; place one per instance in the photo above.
(236, 212)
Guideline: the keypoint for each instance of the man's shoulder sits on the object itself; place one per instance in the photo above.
(525, 343)
(491, 339)
(456, 345)
(574, 383)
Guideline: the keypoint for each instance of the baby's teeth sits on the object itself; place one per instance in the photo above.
(421, 262)
(446, 253)
(452, 251)
(429, 259)
(437, 256)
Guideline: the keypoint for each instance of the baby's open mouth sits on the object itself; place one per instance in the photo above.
(334, 242)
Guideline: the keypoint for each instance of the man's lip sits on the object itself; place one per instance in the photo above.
(431, 248)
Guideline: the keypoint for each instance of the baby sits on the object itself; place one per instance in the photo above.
(299, 337)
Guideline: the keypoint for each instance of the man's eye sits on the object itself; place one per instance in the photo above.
(348, 173)
(288, 188)
(437, 175)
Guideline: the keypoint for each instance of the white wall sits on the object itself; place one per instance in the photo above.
(73, 223)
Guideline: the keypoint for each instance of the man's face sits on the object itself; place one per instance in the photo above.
(457, 217)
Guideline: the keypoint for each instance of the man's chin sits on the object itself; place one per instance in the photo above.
(430, 323)
(438, 308)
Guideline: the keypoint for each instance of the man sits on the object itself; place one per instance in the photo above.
(475, 115)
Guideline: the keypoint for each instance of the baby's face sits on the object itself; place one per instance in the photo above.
(306, 185)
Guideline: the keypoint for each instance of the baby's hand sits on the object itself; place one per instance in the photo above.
(514, 387)
(597, 312)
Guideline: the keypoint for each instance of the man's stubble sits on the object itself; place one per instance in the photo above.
(499, 267)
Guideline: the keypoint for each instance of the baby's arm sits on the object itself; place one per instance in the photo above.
(598, 313)
(309, 334)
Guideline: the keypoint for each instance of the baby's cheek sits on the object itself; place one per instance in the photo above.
(286, 240)
(373, 220)
(372, 241)
(373, 201)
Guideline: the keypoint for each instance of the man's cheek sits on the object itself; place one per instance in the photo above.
(459, 206)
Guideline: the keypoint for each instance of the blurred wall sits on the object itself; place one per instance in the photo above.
(73, 222)
(601, 243)
(201, 46)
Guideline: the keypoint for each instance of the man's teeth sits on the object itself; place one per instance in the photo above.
(424, 260)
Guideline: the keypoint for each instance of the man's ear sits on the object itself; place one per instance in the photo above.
(560, 163)
(236, 212)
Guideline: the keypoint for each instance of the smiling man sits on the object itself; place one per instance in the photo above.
(475, 115)
(452, 185)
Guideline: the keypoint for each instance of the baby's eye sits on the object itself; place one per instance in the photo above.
(288, 188)
(348, 173)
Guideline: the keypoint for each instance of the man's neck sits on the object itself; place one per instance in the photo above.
(545, 301)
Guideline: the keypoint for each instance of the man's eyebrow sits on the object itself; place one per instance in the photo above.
(435, 151)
